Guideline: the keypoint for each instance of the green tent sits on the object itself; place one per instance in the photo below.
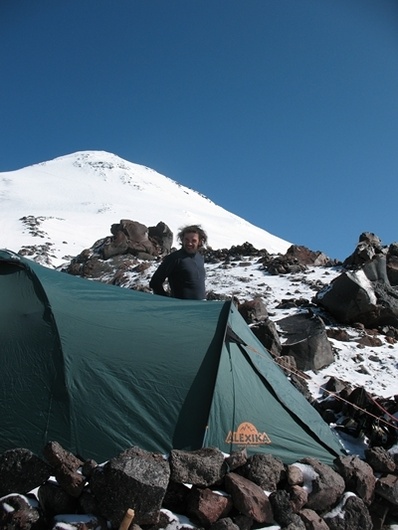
(99, 368)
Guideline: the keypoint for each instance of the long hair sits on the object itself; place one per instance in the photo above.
(193, 229)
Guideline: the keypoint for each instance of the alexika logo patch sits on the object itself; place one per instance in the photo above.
(247, 434)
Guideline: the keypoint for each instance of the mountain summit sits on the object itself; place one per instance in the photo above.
(67, 203)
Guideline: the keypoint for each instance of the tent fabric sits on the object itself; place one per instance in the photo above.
(252, 391)
(100, 368)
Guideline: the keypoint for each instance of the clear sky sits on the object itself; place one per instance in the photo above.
(284, 112)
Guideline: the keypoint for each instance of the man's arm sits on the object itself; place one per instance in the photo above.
(160, 275)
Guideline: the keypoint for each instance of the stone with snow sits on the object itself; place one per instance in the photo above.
(294, 475)
(326, 487)
(298, 498)
(350, 514)
(54, 499)
(66, 466)
(20, 512)
(363, 295)
(72, 482)
(253, 310)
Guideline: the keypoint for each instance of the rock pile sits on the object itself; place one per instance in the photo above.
(356, 412)
(366, 290)
(237, 492)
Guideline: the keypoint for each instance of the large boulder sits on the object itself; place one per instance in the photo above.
(306, 341)
(109, 259)
(363, 295)
(162, 237)
(267, 334)
(368, 247)
(129, 237)
(136, 480)
(253, 310)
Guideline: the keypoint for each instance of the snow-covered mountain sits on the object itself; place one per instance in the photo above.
(65, 204)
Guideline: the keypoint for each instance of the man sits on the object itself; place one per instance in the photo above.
(184, 269)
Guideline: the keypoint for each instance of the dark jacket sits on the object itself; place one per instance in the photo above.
(185, 273)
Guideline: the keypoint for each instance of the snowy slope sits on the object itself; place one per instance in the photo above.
(76, 198)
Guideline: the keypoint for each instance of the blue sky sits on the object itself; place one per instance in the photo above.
(284, 112)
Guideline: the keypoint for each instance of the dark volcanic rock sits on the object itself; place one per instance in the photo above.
(306, 341)
(264, 470)
(17, 512)
(203, 467)
(354, 516)
(135, 479)
(21, 471)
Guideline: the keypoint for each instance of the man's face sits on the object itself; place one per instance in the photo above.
(190, 242)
